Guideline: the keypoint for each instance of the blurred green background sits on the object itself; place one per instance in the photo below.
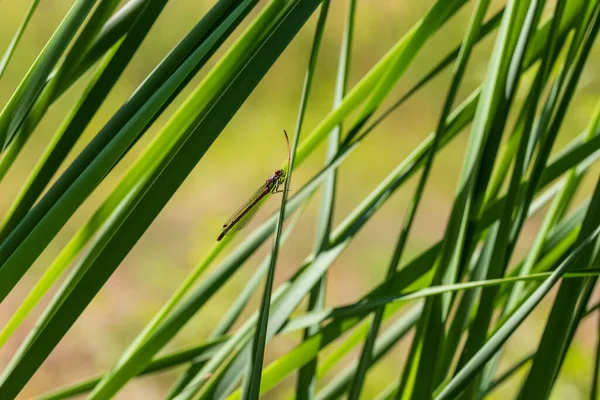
(248, 151)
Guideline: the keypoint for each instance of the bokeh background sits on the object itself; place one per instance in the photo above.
(248, 151)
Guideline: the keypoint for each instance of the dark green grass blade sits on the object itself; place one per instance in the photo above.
(254, 374)
(111, 33)
(594, 390)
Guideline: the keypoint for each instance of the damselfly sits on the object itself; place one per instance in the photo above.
(247, 211)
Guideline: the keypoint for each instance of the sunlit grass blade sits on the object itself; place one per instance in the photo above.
(15, 40)
(261, 337)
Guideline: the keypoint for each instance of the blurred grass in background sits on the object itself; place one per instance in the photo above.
(245, 153)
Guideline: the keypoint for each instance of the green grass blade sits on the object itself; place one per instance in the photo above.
(111, 33)
(30, 87)
(594, 391)
(306, 382)
(200, 354)
(252, 383)
(15, 40)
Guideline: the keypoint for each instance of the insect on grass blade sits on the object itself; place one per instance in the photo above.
(247, 211)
